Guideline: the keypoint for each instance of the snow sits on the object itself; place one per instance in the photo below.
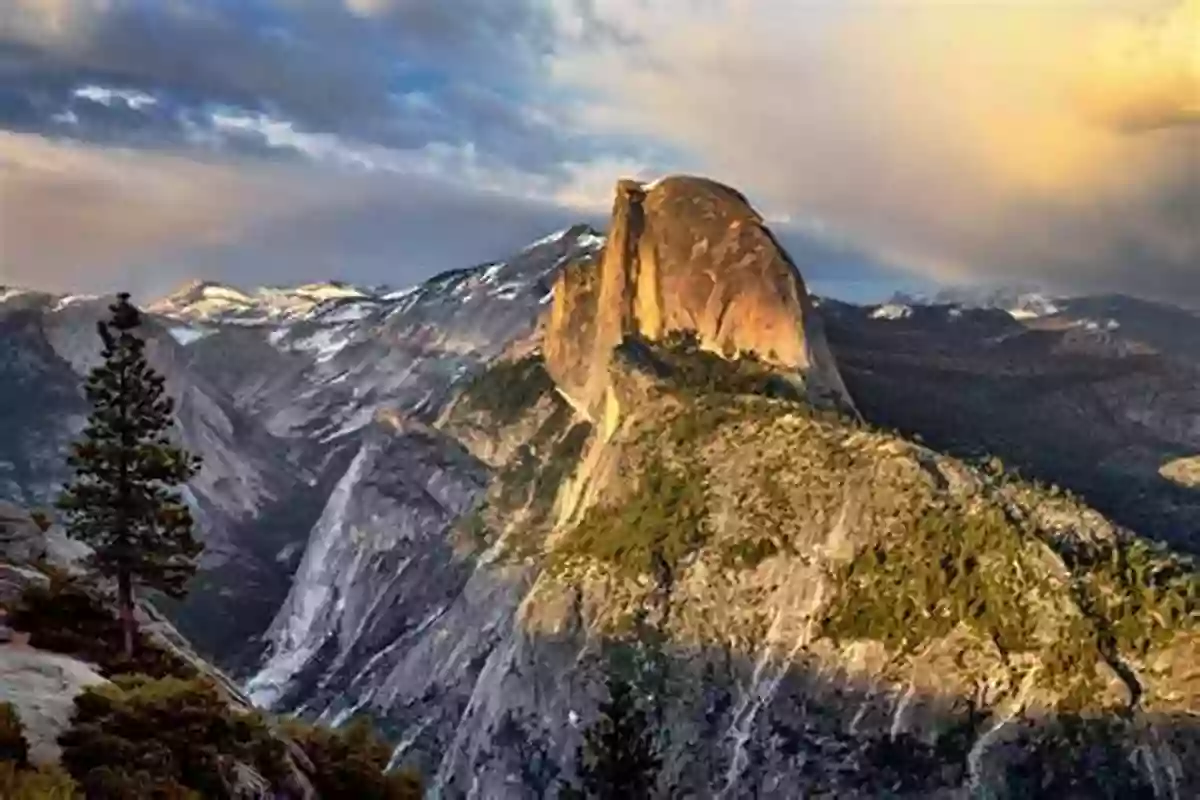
(590, 240)
(186, 336)
(325, 343)
(511, 288)
(351, 312)
(401, 294)
(1098, 325)
(7, 293)
(892, 311)
(216, 302)
(72, 299)
(225, 294)
(549, 239)
(1032, 306)
(327, 291)
(491, 272)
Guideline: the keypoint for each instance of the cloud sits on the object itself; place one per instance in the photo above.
(382, 229)
(964, 140)
(74, 216)
(108, 97)
(1146, 75)
(199, 51)
(970, 140)
(79, 217)
(392, 74)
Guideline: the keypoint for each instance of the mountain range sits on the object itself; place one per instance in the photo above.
(924, 548)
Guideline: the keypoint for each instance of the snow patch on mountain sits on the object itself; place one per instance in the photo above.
(325, 344)
(212, 302)
(71, 299)
(892, 311)
(548, 239)
(8, 293)
(186, 335)
(1032, 306)
(591, 240)
(1097, 324)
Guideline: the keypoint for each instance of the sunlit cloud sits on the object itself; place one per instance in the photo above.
(969, 140)
(106, 96)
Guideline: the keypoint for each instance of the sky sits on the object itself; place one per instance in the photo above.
(892, 144)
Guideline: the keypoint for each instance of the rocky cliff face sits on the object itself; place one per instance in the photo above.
(842, 611)
(1096, 397)
(685, 255)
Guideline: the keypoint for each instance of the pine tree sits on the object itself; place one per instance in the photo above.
(124, 500)
(618, 759)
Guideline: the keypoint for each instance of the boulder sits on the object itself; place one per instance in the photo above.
(42, 687)
(26, 538)
(15, 580)
(21, 540)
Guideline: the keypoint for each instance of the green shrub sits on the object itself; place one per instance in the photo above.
(181, 740)
(662, 522)
(1140, 596)
(20, 781)
(534, 474)
(692, 370)
(40, 783)
(352, 762)
(13, 746)
(951, 567)
(507, 389)
(560, 463)
(67, 618)
(143, 737)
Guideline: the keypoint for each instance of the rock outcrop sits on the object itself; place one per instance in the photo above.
(42, 687)
(685, 255)
(26, 537)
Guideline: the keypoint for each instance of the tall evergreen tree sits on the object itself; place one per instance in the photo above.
(124, 500)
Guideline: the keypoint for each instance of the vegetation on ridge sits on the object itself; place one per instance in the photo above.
(68, 617)
(655, 528)
(506, 389)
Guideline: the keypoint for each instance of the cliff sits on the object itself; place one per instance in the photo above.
(684, 255)
(826, 608)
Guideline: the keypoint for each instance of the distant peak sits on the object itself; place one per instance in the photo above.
(581, 234)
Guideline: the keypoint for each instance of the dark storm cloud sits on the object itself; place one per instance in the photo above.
(346, 67)
(196, 49)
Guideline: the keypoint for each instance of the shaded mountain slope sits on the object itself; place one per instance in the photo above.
(1095, 411)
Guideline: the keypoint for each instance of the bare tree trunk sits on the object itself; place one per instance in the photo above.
(125, 603)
